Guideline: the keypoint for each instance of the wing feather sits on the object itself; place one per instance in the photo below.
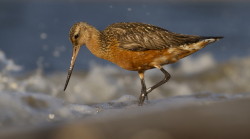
(142, 37)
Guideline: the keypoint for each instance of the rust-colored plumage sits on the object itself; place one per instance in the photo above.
(136, 47)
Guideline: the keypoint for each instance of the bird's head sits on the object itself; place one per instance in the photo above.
(79, 35)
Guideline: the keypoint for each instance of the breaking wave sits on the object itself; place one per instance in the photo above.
(40, 94)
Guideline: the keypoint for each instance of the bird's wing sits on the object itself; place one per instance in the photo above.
(142, 37)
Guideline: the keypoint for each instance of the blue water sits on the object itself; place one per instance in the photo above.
(36, 33)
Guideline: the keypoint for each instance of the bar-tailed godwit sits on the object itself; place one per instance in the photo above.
(135, 47)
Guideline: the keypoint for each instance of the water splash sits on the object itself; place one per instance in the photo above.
(37, 97)
(8, 65)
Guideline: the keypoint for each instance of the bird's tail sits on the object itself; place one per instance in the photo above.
(210, 39)
(203, 41)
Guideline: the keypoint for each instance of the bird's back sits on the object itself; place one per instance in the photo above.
(141, 37)
(138, 46)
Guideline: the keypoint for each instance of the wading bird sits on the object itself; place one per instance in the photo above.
(135, 47)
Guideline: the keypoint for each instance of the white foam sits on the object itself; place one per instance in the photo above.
(193, 65)
(37, 98)
(99, 85)
(8, 65)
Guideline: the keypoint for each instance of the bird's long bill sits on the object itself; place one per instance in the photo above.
(72, 63)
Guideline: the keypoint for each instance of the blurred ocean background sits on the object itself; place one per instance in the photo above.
(35, 54)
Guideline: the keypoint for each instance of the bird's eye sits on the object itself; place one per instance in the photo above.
(76, 36)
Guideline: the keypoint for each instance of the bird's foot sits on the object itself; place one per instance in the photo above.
(142, 98)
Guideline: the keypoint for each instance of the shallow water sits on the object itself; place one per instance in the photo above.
(36, 98)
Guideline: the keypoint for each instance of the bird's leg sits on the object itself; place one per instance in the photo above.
(145, 91)
(165, 79)
(143, 94)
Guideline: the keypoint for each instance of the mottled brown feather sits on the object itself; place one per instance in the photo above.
(141, 37)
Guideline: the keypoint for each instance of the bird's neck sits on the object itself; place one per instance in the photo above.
(94, 43)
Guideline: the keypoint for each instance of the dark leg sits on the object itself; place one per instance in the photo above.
(165, 79)
(144, 90)
(143, 94)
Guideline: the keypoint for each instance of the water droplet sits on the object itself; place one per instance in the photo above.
(51, 116)
(43, 36)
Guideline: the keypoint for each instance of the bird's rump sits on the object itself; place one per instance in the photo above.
(142, 37)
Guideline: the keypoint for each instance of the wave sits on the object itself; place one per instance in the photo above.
(40, 94)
